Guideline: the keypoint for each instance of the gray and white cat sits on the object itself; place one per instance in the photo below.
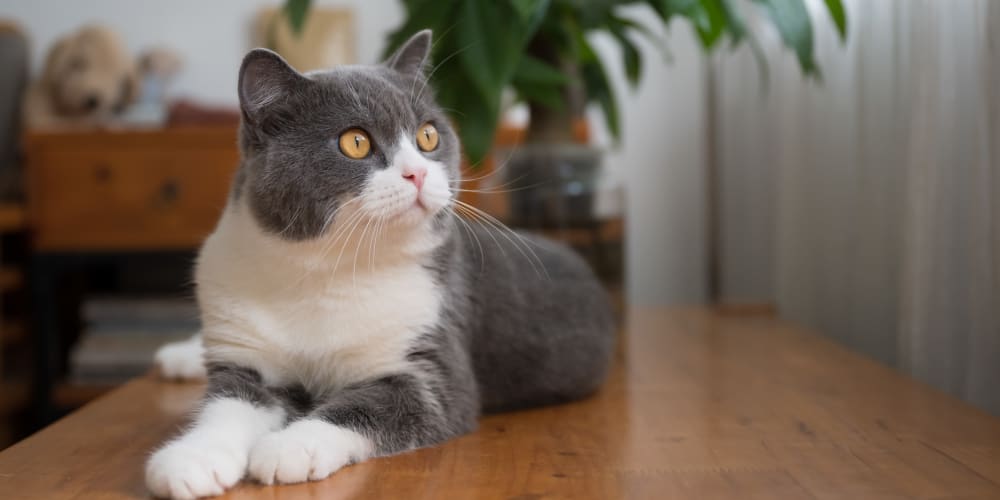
(348, 312)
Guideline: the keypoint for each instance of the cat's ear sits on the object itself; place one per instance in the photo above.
(411, 57)
(265, 78)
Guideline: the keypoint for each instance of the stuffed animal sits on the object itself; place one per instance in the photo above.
(88, 79)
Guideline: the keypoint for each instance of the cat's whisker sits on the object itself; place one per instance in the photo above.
(292, 220)
(474, 216)
(504, 230)
(379, 225)
(471, 233)
(508, 183)
(499, 191)
(434, 69)
(357, 248)
(336, 264)
(502, 165)
(326, 246)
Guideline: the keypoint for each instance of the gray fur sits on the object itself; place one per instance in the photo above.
(508, 337)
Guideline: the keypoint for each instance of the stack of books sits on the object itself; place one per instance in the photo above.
(121, 335)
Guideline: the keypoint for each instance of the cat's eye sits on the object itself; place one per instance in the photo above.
(427, 137)
(354, 143)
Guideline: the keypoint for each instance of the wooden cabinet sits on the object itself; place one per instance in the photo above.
(126, 191)
(93, 196)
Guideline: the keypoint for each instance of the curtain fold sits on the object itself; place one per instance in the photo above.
(874, 193)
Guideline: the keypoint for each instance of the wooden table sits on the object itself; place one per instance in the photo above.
(700, 405)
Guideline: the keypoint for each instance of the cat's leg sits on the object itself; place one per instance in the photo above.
(380, 417)
(211, 456)
(184, 360)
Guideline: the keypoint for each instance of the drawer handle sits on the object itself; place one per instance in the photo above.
(169, 193)
(102, 173)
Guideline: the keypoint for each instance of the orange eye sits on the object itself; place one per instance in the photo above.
(427, 137)
(355, 144)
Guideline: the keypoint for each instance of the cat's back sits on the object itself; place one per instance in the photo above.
(544, 326)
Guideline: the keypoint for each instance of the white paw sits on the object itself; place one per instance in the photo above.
(182, 360)
(307, 450)
(185, 470)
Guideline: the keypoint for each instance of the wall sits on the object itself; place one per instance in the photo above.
(660, 159)
(211, 35)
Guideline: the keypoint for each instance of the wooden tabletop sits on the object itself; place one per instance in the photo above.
(700, 405)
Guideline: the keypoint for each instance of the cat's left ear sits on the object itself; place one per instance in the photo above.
(411, 57)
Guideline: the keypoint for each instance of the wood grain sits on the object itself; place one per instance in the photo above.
(699, 405)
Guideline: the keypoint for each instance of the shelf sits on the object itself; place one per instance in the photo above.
(73, 395)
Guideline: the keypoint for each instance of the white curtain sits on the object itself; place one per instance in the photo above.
(867, 206)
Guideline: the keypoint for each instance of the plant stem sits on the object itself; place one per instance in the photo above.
(555, 125)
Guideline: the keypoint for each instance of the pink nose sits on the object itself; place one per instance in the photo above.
(415, 175)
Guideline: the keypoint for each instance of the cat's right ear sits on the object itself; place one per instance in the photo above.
(410, 58)
(265, 79)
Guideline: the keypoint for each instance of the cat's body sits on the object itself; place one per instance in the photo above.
(347, 313)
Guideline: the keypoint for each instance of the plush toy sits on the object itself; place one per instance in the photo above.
(88, 79)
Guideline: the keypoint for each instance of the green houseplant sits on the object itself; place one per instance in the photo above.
(540, 50)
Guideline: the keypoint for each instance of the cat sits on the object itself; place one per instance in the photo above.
(348, 311)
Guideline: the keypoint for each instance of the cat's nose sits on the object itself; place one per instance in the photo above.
(415, 175)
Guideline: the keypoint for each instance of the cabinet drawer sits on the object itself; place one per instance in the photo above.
(128, 199)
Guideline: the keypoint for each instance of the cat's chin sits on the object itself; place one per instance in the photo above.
(413, 215)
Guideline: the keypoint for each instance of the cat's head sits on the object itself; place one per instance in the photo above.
(364, 140)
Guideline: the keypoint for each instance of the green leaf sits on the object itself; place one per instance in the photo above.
(526, 9)
(792, 20)
(423, 14)
(632, 61)
(490, 49)
(296, 11)
(631, 58)
(550, 96)
(595, 80)
(839, 15)
(710, 21)
(475, 118)
(734, 20)
(531, 70)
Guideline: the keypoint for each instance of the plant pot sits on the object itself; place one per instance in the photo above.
(556, 190)
(550, 186)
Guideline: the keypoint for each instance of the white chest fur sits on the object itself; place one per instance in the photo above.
(309, 313)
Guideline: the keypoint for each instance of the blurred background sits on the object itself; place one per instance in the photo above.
(836, 163)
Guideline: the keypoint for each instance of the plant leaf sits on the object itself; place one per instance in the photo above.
(595, 79)
(475, 118)
(734, 20)
(839, 15)
(296, 11)
(792, 20)
(532, 70)
(550, 96)
(490, 49)
(526, 9)
(659, 42)
(710, 21)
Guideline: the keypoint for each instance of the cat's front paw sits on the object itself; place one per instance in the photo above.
(182, 360)
(307, 450)
(186, 470)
